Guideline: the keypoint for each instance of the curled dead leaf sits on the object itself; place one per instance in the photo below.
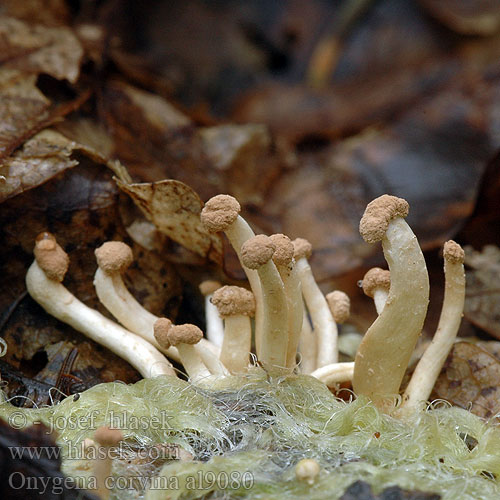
(40, 49)
(174, 208)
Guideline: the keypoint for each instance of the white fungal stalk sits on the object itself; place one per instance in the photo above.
(376, 284)
(335, 373)
(386, 348)
(235, 305)
(113, 258)
(428, 368)
(43, 281)
(257, 253)
(221, 214)
(324, 326)
(285, 263)
(215, 325)
(307, 346)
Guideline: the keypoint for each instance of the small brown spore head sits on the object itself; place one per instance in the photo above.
(234, 300)
(453, 252)
(184, 334)
(208, 287)
(51, 258)
(283, 254)
(219, 213)
(302, 249)
(105, 436)
(256, 251)
(376, 278)
(340, 305)
(161, 329)
(378, 214)
(114, 257)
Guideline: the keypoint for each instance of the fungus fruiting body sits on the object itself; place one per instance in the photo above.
(236, 306)
(107, 439)
(386, 348)
(43, 281)
(215, 327)
(376, 284)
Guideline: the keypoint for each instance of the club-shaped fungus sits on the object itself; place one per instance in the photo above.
(376, 284)
(43, 281)
(215, 326)
(106, 439)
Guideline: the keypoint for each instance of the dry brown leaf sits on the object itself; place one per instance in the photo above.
(470, 379)
(40, 49)
(482, 300)
(174, 208)
(47, 12)
(42, 157)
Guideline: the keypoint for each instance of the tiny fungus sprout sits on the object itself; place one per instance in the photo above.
(386, 348)
(285, 263)
(376, 284)
(113, 258)
(184, 337)
(340, 306)
(257, 253)
(235, 305)
(107, 439)
(307, 470)
(43, 281)
(335, 373)
(215, 326)
(324, 326)
(430, 364)
(221, 214)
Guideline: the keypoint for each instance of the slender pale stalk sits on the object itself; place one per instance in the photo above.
(257, 254)
(428, 368)
(237, 343)
(64, 306)
(307, 346)
(335, 373)
(215, 325)
(380, 297)
(324, 326)
(386, 348)
(107, 439)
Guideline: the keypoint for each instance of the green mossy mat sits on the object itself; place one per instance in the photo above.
(247, 434)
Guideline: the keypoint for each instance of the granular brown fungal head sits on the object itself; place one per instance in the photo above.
(453, 252)
(301, 248)
(233, 300)
(219, 213)
(114, 256)
(51, 258)
(378, 214)
(184, 334)
(283, 254)
(256, 251)
(208, 287)
(376, 278)
(340, 305)
(105, 436)
(161, 329)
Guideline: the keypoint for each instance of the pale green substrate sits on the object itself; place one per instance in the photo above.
(263, 428)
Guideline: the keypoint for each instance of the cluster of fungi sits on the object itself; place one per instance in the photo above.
(295, 326)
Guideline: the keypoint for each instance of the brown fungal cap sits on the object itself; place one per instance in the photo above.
(51, 258)
(161, 329)
(114, 256)
(301, 248)
(219, 213)
(376, 278)
(453, 252)
(208, 287)
(184, 334)
(378, 214)
(256, 251)
(283, 254)
(340, 305)
(233, 300)
(105, 436)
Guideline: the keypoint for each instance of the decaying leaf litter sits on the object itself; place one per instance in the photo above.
(410, 115)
